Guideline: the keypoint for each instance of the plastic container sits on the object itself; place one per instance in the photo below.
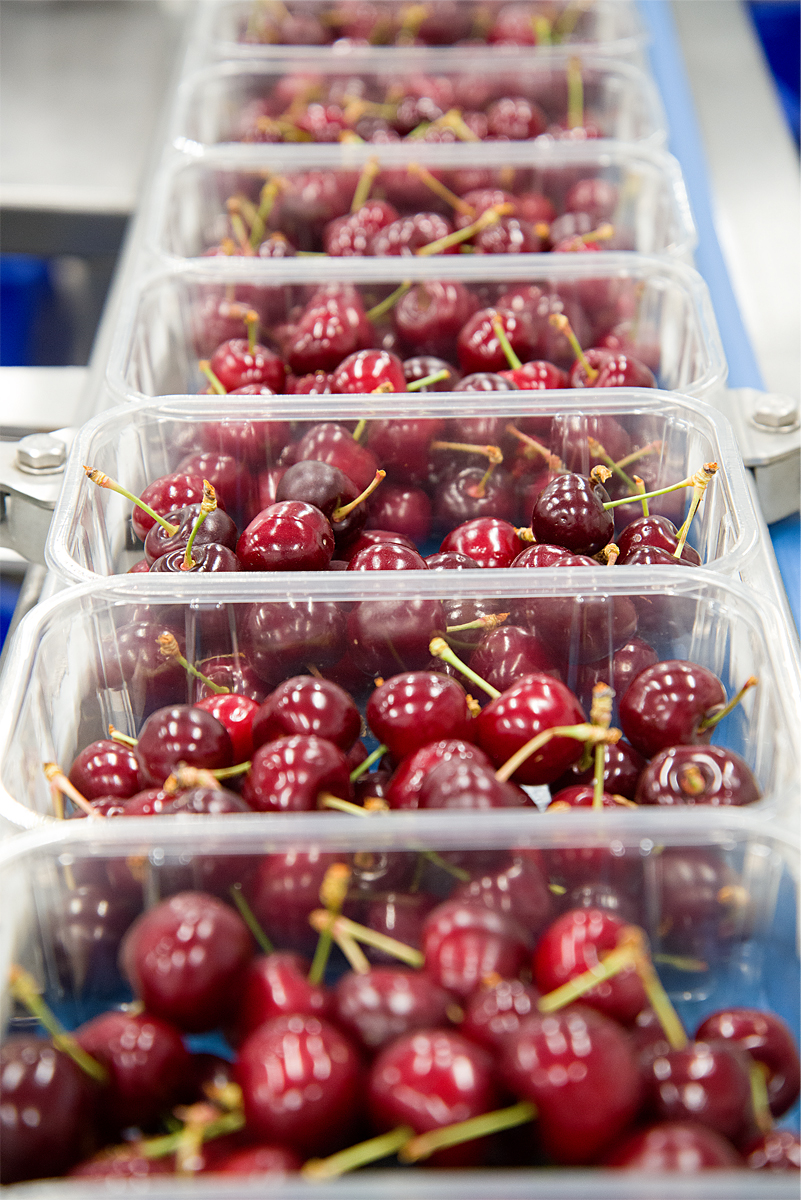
(71, 671)
(220, 103)
(228, 30)
(91, 536)
(651, 215)
(170, 319)
(747, 947)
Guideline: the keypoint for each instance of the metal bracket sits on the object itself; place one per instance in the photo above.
(768, 431)
(31, 471)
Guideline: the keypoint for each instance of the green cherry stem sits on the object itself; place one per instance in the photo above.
(456, 202)
(340, 513)
(247, 915)
(389, 301)
(659, 1000)
(600, 452)
(170, 649)
(437, 376)
(23, 988)
(575, 94)
(701, 481)
(217, 387)
(531, 448)
(601, 715)
(366, 180)
(57, 779)
(582, 732)
(542, 30)
(759, 1096)
(493, 453)
(640, 485)
(267, 199)
(207, 505)
(440, 649)
(427, 1144)
(559, 321)
(488, 217)
(611, 964)
(323, 919)
(333, 891)
(500, 333)
(368, 762)
(674, 487)
(124, 739)
(711, 721)
(104, 481)
(160, 1147)
(359, 1155)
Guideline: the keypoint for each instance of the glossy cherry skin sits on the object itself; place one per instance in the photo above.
(316, 483)
(48, 1109)
(383, 635)
(623, 766)
(367, 370)
(306, 705)
(235, 713)
(181, 734)
(702, 903)
(533, 704)
(122, 1162)
(351, 235)
(217, 527)
(105, 768)
(235, 365)
(409, 234)
(420, 366)
(285, 890)
(673, 1146)
(569, 512)
(431, 1078)
(706, 1082)
(209, 557)
(387, 556)
(166, 494)
(430, 316)
(489, 541)
(280, 639)
(575, 943)
(147, 1062)
(666, 703)
(469, 495)
(400, 915)
(518, 888)
(622, 370)
(277, 984)
(464, 942)
(402, 509)
(403, 790)
(478, 346)
(688, 775)
(403, 446)
(258, 1161)
(627, 661)
(410, 710)
(186, 959)
(767, 1038)
(466, 784)
(777, 1150)
(287, 536)
(495, 1010)
(536, 375)
(387, 1003)
(578, 1068)
(504, 655)
(330, 328)
(288, 774)
(653, 531)
(331, 443)
(300, 1080)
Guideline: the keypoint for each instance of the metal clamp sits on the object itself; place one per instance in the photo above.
(768, 431)
(31, 471)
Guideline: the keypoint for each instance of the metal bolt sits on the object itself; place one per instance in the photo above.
(779, 413)
(41, 454)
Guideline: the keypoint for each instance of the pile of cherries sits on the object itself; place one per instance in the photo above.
(492, 1019)
(435, 23)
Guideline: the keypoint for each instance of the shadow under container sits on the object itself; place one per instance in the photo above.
(742, 952)
(646, 201)
(173, 318)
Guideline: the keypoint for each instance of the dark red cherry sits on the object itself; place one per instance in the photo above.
(334, 444)
(450, 560)
(408, 234)
(233, 672)
(375, 537)
(666, 704)
(201, 800)
(384, 635)
(306, 705)
(235, 364)
(489, 541)
(235, 713)
(408, 711)
(470, 495)
(579, 796)
(479, 348)
(535, 703)
(122, 1162)
(577, 1066)
(423, 365)
(368, 371)
(315, 483)
(402, 509)
(181, 734)
(621, 370)
(208, 557)
(284, 892)
(687, 775)
(627, 661)
(400, 915)
(403, 790)
(703, 906)
(570, 512)
(288, 774)
(166, 494)
(463, 784)
(287, 536)
(217, 527)
(233, 486)
(653, 531)
(777, 1150)
(515, 118)
(767, 1038)
(431, 1078)
(352, 234)
(281, 639)
(706, 1082)
(430, 316)
(518, 888)
(105, 768)
(622, 768)
(331, 327)
(387, 556)
(300, 1080)
(504, 655)
(387, 1003)
(186, 958)
(255, 1162)
(684, 1147)
(277, 984)
(536, 376)
(147, 1064)
(464, 942)
(494, 1011)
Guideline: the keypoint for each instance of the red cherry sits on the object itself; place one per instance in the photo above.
(518, 888)
(676, 1146)
(489, 541)
(504, 655)
(277, 984)
(535, 703)
(666, 704)
(288, 774)
(105, 768)
(387, 1003)
(777, 1150)
(333, 325)
(164, 495)
(768, 1040)
(334, 444)
(383, 635)
(287, 536)
(235, 713)
(367, 370)
(463, 942)
(706, 1082)
(285, 890)
(352, 234)
(688, 775)
(468, 784)
(409, 711)
(305, 705)
(570, 512)
(495, 1010)
(404, 787)
(181, 734)
(258, 1161)
(235, 364)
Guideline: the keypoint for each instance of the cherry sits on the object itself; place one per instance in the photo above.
(400, 915)
(408, 711)
(236, 364)
(623, 766)
(48, 1109)
(667, 704)
(479, 346)
(653, 531)
(253, 442)
(217, 527)
(334, 444)
(495, 1010)
(430, 316)
(491, 542)
(305, 705)
(430, 1078)
(352, 234)
(279, 639)
(368, 371)
(288, 774)
(514, 118)
(422, 366)
(519, 888)
(578, 796)
(403, 445)
(464, 941)
(198, 800)
(387, 556)
(385, 635)
(208, 557)
(285, 891)
(468, 784)
(387, 1003)
(570, 512)
(702, 903)
(537, 376)
(164, 495)
(450, 560)
(627, 662)
(181, 734)
(768, 1040)
(122, 1162)
(504, 655)
(706, 1082)
(574, 943)
(235, 713)
(277, 984)
(408, 234)
(105, 768)
(535, 703)
(584, 629)
(233, 486)
(258, 1161)
(233, 672)
(407, 780)
(622, 370)
(681, 1146)
(300, 1080)
(186, 959)
(308, 201)
(508, 235)
(287, 536)
(777, 1150)
(333, 325)
(687, 775)
(577, 1066)
(146, 1061)
(401, 509)
(470, 494)
(375, 537)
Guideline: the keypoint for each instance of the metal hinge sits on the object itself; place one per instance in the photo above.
(31, 471)
(768, 431)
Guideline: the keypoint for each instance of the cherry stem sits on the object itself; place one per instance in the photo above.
(23, 989)
(327, 800)
(340, 513)
(240, 231)
(104, 481)
(437, 860)
(440, 649)
(417, 384)
(674, 487)
(489, 621)
(701, 482)
(532, 448)
(581, 733)
(251, 319)
(488, 217)
(217, 386)
(333, 891)
(439, 188)
(559, 321)
(427, 1144)
(124, 739)
(160, 1147)
(184, 777)
(658, 998)
(651, 448)
(359, 962)
(357, 1156)
(600, 715)
(368, 762)
(231, 772)
(602, 234)
(600, 452)
(691, 780)
(493, 453)
(759, 1096)
(575, 94)
(711, 721)
(566, 21)
(207, 505)
(267, 199)
(542, 30)
(366, 180)
(640, 484)
(359, 430)
(247, 915)
(609, 555)
(453, 120)
(500, 333)
(170, 649)
(322, 919)
(56, 777)
(681, 963)
(610, 964)
(389, 301)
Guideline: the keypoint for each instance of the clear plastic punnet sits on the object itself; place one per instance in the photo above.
(323, 98)
(659, 310)
(248, 29)
(662, 438)
(718, 911)
(90, 658)
(637, 197)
